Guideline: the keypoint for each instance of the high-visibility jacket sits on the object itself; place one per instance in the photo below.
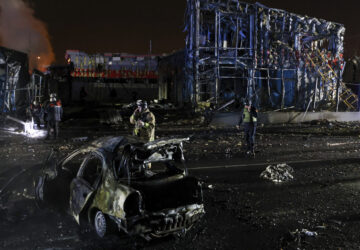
(148, 130)
(247, 116)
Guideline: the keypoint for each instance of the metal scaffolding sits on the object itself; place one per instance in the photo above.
(275, 58)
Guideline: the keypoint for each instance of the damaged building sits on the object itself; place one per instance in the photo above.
(112, 77)
(14, 77)
(278, 59)
(18, 88)
(172, 77)
(36, 87)
(351, 75)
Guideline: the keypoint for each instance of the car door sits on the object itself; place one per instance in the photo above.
(83, 187)
(53, 185)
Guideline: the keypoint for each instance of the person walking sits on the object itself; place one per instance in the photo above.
(249, 118)
(54, 112)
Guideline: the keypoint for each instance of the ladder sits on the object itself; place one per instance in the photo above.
(321, 65)
(349, 98)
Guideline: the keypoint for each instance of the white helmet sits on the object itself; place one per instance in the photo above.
(53, 97)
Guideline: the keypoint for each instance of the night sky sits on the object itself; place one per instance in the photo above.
(128, 26)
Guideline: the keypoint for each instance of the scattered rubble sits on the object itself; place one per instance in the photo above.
(81, 139)
(278, 173)
(163, 106)
(111, 117)
(298, 237)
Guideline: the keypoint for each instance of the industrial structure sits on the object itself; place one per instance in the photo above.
(14, 78)
(113, 76)
(172, 77)
(277, 59)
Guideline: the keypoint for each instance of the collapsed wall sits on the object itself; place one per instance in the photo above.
(277, 59)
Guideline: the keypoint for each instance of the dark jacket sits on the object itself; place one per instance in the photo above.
(54, 112)
(36, 110)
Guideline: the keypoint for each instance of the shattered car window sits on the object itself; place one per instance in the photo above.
(73, 163)
(121, 165)
(92, 170)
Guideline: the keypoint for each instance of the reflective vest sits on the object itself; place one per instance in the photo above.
(248, 117)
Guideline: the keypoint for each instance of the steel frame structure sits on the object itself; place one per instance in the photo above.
(275, 58)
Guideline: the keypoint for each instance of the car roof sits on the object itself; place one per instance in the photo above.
(111, 143)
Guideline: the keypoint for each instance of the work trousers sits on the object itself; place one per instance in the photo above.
(250, 130)
(53, 125)
(37, 121)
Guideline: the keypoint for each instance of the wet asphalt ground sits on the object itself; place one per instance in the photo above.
(243, 211)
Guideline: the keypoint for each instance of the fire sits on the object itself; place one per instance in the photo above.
(20, 30)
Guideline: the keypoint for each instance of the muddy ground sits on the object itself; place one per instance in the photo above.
(243, 211)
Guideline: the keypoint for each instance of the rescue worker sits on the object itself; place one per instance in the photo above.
(36, 113)
(54, 114)
(249, 118)
(144, 121)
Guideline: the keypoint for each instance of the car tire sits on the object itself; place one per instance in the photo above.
(100, 224)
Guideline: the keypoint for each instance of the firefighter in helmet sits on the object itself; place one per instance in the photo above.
(54, 112)
(36, 113)
(144, 121)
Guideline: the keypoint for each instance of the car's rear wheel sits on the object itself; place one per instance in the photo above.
(100, 224)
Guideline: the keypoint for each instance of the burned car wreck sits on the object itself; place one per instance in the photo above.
(109, 185)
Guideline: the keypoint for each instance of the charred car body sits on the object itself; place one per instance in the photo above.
(109, 183)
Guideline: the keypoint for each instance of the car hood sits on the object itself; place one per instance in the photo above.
(165, 150)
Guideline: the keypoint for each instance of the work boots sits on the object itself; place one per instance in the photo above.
(250, 153)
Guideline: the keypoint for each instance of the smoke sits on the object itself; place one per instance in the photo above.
(20, 30)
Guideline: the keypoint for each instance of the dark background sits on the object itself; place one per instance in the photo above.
(128, 26)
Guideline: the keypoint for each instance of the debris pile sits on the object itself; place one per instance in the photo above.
(278, 173)
(80, 139)
(111, 117)
(163, 106)
(298, 237)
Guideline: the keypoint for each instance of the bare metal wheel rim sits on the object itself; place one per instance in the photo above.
(100, 224)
